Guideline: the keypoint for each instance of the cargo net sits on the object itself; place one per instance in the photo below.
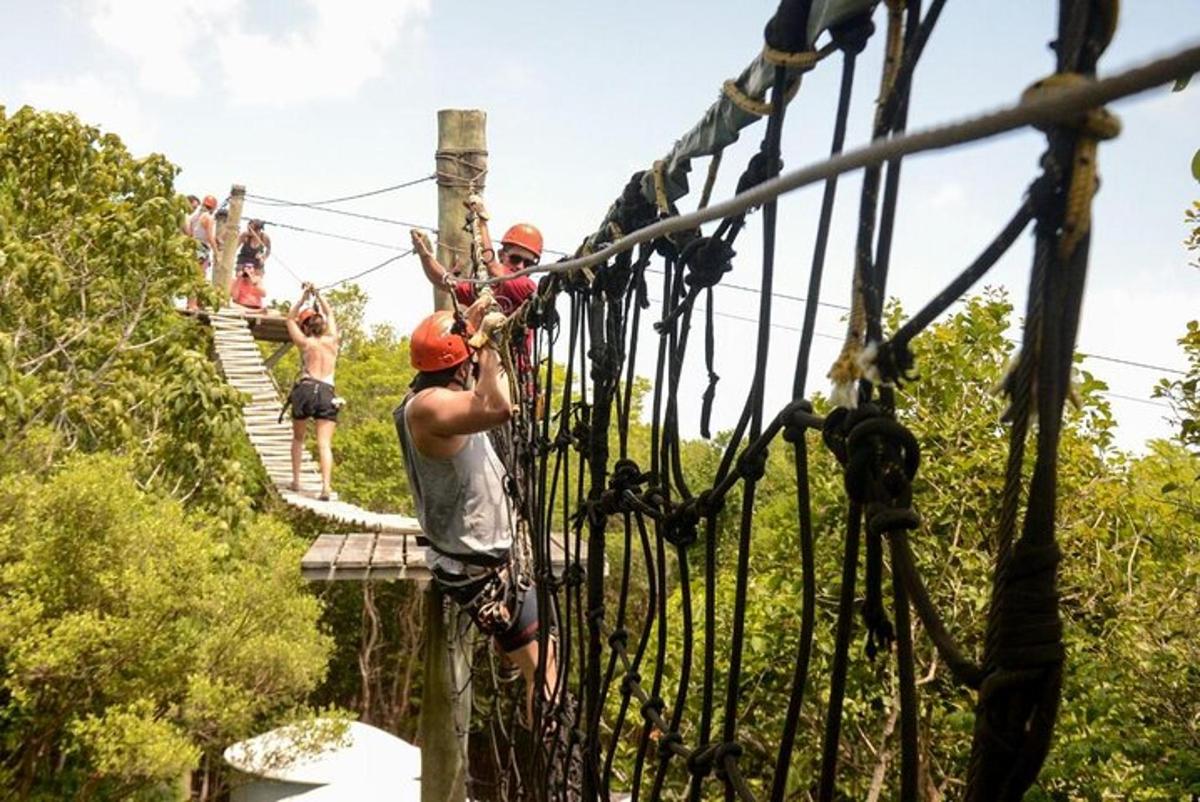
(637, 640)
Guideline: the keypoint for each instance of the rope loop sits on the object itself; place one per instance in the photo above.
(802, 60)
(751, 105)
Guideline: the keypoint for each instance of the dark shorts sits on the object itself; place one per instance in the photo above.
(502, 608)
(312, 399)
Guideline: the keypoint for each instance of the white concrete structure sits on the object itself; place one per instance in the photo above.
(301, 764)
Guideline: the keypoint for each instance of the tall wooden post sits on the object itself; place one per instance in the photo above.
(446, 695)
(227, 237)
(461, 162)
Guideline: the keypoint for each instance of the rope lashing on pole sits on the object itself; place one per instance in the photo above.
(640, 654)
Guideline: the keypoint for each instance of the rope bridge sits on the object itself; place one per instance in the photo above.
(573, 474)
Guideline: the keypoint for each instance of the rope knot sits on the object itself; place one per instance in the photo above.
(628, 682)
(652, 710)
(626, 475)
(752, 465)
(708, 504)
(700, 762)
(798, 418)
(883, 455)
(707, 260)
(574, 576)
(619, 639)
(756, 172)
(725, 754)
(680, 526)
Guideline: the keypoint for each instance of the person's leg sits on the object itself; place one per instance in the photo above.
(298, 427)
(325, 453)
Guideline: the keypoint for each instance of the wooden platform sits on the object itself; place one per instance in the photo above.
(374, 555)
(269, 327)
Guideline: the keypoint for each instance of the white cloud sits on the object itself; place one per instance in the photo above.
(102, 101)
(331, 51)
(163, 39)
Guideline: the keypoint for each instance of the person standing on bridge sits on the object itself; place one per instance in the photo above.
(315, 333)
(202, 227)
(458, 482)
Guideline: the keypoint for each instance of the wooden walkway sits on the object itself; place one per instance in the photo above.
(242, 364)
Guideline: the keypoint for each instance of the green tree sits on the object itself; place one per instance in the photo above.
(135, 637)
(91, 257)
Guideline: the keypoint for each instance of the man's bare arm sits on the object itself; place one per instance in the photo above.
(327, 313)
(298, 338)
(485, 407)
(434, 271)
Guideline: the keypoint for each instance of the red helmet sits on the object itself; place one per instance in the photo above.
(210, 203)
(525, 236)
(304, 315)
(435, 345)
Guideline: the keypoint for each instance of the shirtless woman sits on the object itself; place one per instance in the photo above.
(315, 334)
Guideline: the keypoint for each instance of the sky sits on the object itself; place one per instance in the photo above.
(312, 99)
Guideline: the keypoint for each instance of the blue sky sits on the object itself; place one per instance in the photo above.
(307, 100)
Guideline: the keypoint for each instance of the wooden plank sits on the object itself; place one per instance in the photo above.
(357, 551)
(323, 552)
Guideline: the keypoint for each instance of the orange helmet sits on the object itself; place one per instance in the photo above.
(525, 236)
(435, 345)
(210, 203)
(304, 315)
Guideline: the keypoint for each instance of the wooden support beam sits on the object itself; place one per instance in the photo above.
(227, 237)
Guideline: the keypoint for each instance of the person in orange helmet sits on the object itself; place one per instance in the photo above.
(520, 247)
(457, 482)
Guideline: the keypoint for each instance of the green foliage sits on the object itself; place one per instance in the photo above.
(91, 256)
(1184, 393)
(134, 636)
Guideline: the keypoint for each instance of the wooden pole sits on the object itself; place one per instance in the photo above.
(462, 168)
(446, 695)
(227, 237)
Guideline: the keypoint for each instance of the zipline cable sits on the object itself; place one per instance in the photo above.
(268, 201)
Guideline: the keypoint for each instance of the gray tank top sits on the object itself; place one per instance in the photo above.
(460, 501)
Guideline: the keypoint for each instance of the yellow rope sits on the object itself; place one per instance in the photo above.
(847, 368)
(750, 105)
(1092, 126)
(660, 190)
(803, 60)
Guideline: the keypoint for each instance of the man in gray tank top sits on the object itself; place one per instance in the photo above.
(457, 482)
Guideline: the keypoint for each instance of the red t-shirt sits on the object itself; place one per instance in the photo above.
(509, 294)
(246, 294)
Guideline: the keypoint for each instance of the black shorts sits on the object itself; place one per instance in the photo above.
(501, 607)
(312, 399)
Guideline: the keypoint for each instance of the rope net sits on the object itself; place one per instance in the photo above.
(576, 473)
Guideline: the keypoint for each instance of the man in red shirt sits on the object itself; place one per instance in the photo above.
(521, 246)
